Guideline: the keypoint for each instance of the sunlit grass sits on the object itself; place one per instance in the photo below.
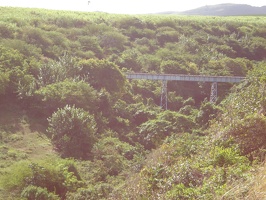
(24, 15)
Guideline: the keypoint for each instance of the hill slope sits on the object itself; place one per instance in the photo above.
(72, 126)
(224, 10)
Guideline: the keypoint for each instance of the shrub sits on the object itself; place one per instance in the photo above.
(91, 44)
(37, 36)
(154, 131)
(15, 178)
(4, 79)
(250, 134)
(180, 191)
(11, 62)
(208, 111)
(59, 94)
(102, 74)
(56, 71)
(170, 36)
(46, 179)
(114, 153)
(89, 193)
(73, 131)
(227, 156)
(33, 192)
(113, 40)
(6, 30)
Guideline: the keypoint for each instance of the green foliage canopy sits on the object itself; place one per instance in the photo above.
(98, 73)
(73, 131)
(166, 123)
(67, 92)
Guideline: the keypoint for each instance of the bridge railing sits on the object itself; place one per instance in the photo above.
(182, 77)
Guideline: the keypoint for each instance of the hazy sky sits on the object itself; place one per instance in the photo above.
(123, 6)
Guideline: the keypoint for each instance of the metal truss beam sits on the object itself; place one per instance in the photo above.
(214, 92)
(164, 99)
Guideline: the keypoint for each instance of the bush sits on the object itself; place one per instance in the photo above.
(227, 156)
(47, 179)
(4, 80)
(37, 36)
(180, 191)
(73, 130)
(57, 71)
(208, 111)
(59, 94)
(250, 134)
(11, 72)
(84, 194)
(6, 30)
(91, 44)
(15, 178)
(114, 153)
(113, 40)
(170, 36)
(102, 74)
(33, 192)
(154, 131)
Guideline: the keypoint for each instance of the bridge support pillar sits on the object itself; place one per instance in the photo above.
(213, 96)
(164, 99)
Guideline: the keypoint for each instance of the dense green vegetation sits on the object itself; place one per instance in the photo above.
(73, 127)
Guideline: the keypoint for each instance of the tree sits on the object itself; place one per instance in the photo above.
(153, 132)
(6, 30)
(102, 74)
(178, 67)
(208, 111)
(113, 40)
(57, 95)
(11, 64)
(258, 48)
(167, 35)
(91, 44)
(56, 71)
(73, 132)
(130, 60)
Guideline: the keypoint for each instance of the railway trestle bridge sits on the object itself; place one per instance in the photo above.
(181, 77)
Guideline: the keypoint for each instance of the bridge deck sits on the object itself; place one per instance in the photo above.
(182, 77)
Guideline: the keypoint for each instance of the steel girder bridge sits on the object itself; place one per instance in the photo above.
(181, 77)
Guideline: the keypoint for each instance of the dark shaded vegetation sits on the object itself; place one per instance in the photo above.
(64, 72)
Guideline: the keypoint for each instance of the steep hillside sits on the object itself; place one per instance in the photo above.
(73, 127)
